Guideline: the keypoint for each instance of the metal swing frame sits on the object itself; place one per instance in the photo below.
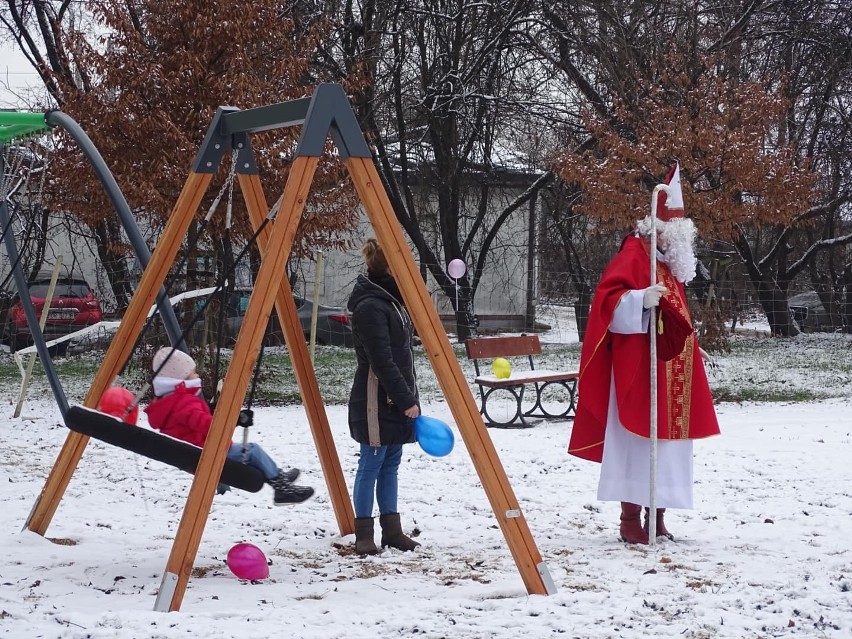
(15, 125)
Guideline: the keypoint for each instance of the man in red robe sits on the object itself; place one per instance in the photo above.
(612, 423)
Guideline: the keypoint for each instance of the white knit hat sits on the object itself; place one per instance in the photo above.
(178, 365)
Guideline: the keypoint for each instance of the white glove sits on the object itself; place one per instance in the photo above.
(651, 296)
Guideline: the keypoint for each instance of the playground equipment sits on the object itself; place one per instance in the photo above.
(326, 112)
(16, 127)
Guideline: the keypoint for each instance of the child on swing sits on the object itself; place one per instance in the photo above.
(180, 411)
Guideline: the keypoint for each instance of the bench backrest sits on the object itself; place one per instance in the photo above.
(490, 347)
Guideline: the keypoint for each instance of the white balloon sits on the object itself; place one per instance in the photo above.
(456, 268)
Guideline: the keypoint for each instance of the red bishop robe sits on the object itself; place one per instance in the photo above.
(684, 405)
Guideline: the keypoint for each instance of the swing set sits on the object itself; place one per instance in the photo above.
(326, 112)
(19, 166)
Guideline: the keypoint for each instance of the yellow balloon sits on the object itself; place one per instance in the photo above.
(502, 368)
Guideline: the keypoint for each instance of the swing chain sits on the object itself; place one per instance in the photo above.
(228, 185)
(230, 182)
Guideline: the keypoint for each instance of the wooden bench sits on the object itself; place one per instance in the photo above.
(518, 346)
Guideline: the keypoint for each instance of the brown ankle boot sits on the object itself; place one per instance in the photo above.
(631, 524)
(661, 524)
(392, 534)
(364, 542)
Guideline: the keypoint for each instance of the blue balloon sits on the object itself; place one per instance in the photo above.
(434, 436)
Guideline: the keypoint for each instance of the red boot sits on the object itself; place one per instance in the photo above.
(661, 524)
(631, 524)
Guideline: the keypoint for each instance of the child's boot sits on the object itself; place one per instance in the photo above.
(288, 493)
(289, 476)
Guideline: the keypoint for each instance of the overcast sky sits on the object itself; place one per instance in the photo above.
(15, 75)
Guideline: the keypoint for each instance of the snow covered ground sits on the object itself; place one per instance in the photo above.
(765, 553)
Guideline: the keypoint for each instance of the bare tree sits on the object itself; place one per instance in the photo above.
(701, 83)
(451, 103)
(41, 31)
(752, 96)
(145, 84)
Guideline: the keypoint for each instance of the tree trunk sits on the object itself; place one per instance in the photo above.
(465, 320)
(33, 246)
(532, 233)
(114, 264)
(774, 303)
(463, 332)
(581, 311)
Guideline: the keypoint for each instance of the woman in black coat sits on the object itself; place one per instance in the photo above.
(383, 402)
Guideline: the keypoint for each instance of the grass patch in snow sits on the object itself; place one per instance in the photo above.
(805, 368)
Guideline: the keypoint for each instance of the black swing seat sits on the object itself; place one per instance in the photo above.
(145, 442)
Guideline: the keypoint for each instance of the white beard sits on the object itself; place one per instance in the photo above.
(676, 242)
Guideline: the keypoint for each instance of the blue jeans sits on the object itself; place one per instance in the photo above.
(255, 456)
(377, 472)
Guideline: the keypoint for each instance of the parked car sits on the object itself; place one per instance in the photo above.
(73, 306)
(333, 327)
(809, 313)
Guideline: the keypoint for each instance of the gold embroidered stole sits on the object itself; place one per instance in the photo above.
(678, 370)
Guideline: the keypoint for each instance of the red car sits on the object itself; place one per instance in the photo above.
(74, 306)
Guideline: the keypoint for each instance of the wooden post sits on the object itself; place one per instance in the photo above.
(315, 306)
(302, 368)
(45, 311)
(246, 352)
(533, 571)
(121, 346)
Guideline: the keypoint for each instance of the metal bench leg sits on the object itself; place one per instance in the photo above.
(482, 399)
(518, 393)
(569, 385)
(572, 389)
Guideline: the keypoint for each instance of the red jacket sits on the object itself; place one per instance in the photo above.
(182, 415)
(684, 405)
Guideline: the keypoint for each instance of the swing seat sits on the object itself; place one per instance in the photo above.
(153, 445)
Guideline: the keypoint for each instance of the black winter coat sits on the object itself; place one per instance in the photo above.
(385, 383)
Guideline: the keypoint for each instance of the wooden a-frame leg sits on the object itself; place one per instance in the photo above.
(121, 346)
(237, 378)
(302, 367)
(533, 571)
